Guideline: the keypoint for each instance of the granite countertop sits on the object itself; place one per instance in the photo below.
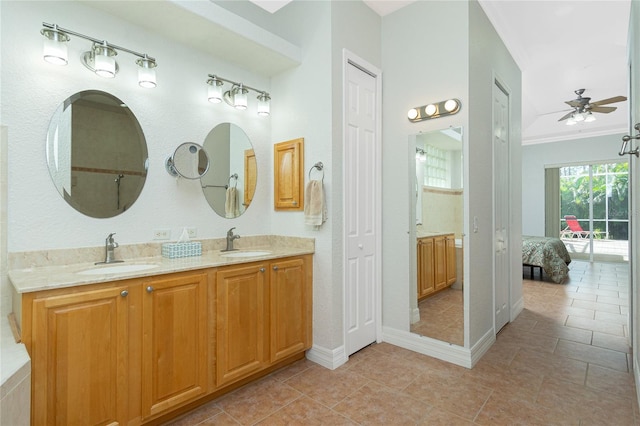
(47, 277)
(425, 234)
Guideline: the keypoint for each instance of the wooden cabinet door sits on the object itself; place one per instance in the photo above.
(241, 321)
(250, 176)
(288, 160)
(79, 354)
(290, 287)
(451, 259)
(174, 346)
(440, 262)
(426, 283)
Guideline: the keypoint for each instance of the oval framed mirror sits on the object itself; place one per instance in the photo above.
(189, 161)
(230, 185)
(97, 154)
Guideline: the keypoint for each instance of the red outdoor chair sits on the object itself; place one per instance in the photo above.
(573, 229)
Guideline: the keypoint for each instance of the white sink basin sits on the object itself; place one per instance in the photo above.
(246, 253)
(118, 269)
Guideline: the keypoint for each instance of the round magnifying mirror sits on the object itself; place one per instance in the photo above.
(230, 185)
(189, 161)
(96, 154)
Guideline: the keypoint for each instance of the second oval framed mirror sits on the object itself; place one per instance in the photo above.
(230, 184)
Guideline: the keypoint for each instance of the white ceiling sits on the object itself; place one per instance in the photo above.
(560, 46)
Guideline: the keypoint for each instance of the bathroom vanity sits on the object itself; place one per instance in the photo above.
(437, 264)
(142, 346)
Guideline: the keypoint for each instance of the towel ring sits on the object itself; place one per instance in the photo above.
(320, 168)
(233, 176)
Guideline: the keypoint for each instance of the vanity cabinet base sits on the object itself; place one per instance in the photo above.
(436, 264)
(146, 350)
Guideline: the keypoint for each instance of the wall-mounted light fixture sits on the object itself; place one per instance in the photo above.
(437, 110)
(236, 96)
(100, 59)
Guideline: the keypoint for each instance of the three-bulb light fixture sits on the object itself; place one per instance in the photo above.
(436, 110)
(236, 96)
(100, 59)
(580, 114)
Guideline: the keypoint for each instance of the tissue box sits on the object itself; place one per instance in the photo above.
(173, 250)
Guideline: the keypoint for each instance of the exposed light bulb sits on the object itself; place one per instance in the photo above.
(412, 114)
(430, 109)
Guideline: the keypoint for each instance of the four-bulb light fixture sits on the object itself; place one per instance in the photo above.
(431, 111)
(100, 59)
(580, 114)
(237, 95)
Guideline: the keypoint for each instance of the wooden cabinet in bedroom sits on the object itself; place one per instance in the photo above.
(436, 263)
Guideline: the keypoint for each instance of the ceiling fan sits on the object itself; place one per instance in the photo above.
(583, 108)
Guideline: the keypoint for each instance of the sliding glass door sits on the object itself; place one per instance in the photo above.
(594, 210)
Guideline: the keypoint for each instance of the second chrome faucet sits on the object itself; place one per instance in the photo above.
(231, 237)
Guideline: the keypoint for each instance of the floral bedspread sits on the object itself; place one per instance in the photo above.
(549, 253)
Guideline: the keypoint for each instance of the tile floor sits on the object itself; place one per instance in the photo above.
(563, 361)
(442, 317)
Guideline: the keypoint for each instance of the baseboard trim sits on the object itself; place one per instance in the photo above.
(328, 358)
(517, 308)
(482, 346)
(427, 346)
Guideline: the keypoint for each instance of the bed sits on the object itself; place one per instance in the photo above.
(549, 254)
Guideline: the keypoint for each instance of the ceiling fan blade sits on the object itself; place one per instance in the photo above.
(574, 103)
(566, 116)
(602, 109)
(610, 100)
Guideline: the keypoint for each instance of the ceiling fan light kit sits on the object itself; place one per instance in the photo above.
(583, 109)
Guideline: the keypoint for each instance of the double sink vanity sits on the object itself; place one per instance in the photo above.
(144, 340)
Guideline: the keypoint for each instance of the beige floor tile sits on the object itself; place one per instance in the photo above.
(567, 369)
(595, 306)
(621, 319)
(438, 417)
(462, 396)
(593, 355)
(501, 410)
(608, 341)
(204, 412)
(394, 372)
(254, 402)
(594, 325)
(327, 387)
(305, 411)
(222, 419)
(375, 404)
(612, 381)
(563, 332)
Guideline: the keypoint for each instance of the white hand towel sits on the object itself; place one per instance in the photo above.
(231, 205)
(315, 210)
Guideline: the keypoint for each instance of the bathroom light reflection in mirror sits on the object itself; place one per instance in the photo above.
(437, 301)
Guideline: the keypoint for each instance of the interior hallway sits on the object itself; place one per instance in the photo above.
(563, 361)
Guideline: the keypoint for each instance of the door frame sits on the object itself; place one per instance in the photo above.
(500, 84)
(351, 59)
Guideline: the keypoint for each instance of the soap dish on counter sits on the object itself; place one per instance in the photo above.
(174, 250)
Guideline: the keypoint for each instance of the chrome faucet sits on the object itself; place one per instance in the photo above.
(230, 238)
(110, 246)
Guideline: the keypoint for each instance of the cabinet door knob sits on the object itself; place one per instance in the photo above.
(295, 202)
(275, 267)
(262, 269)
(124, 293)
(149, 289)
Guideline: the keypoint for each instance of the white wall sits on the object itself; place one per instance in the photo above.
(489, 59)
(176, 111)
(537, 157)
